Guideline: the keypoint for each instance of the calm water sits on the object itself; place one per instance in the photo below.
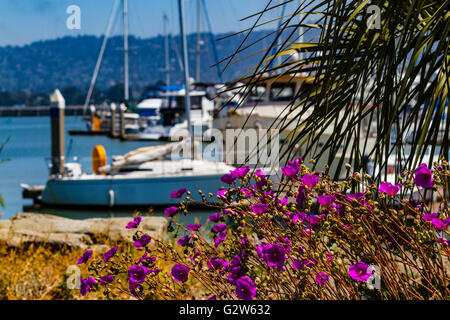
(27, 152)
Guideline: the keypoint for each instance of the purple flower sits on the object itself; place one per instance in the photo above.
(289, 171)
(145, 240)
(106, 279)
(301, 195)
(222, 193)
(274, 255)
(137, 274)
(221, 236)
(388, 188)
(313, 219)
(212, 298)
(262, 176)
(219, 227)
(240, 173)
(423, 176)
(321, 278)
(444, 242)
(134, 224)
(171, 212)
(430, 216)
(185, 240)
(133, 286)
(245, 288)
(326, 199)
(227, 178)
(281, 203)
(216, 264)
(180, 272)
(359, 271)
(85, 257)
(215, 217)
(178, 193)
(86, 284)
(357, 196)
(310, 180)
(259, 208)
(292, 169)
(440, 224)
(110, 253)
(194, 227)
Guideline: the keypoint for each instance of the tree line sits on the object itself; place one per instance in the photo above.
(72, 94)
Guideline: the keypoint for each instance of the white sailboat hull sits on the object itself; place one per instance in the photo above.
(110, 191)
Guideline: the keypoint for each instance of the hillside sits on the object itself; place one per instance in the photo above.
(70, 61)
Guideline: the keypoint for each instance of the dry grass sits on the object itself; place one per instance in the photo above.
(35, 272)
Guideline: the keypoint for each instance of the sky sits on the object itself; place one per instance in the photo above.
(26, 21)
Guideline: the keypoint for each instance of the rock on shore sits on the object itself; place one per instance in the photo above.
(29, 228)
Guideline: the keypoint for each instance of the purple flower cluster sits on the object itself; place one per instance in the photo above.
(86, 285)
(143, 241)
(171, 212)
(216, 264)
(85, 257)
(178, 193)
(389, 188)
(134, 224)
(110, 253)
(259, 208)
(137, 274)
(360, 271)
(273, 254)
(310, 180)
(423, 177)
(245, 288)
(292, 169)
(180, 272)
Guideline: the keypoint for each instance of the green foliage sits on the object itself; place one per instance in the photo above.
(395, 77)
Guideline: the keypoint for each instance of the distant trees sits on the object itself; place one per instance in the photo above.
(9, 99)
(73, 96)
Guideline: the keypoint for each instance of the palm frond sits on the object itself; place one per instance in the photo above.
(393, 81)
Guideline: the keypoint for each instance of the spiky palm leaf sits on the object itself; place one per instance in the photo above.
(394, 77)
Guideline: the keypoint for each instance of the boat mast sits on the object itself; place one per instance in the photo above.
(125, 49)
(187, 97)
(166, 48)
(100, 56)
(197, 62)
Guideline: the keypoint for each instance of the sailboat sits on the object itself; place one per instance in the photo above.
(143, 177)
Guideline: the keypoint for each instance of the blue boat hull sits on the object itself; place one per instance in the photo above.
(110, 191)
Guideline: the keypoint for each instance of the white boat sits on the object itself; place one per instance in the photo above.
(173, 121)
(135, 181)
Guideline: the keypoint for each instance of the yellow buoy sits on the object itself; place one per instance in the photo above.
(98, 158)
(96, 126)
